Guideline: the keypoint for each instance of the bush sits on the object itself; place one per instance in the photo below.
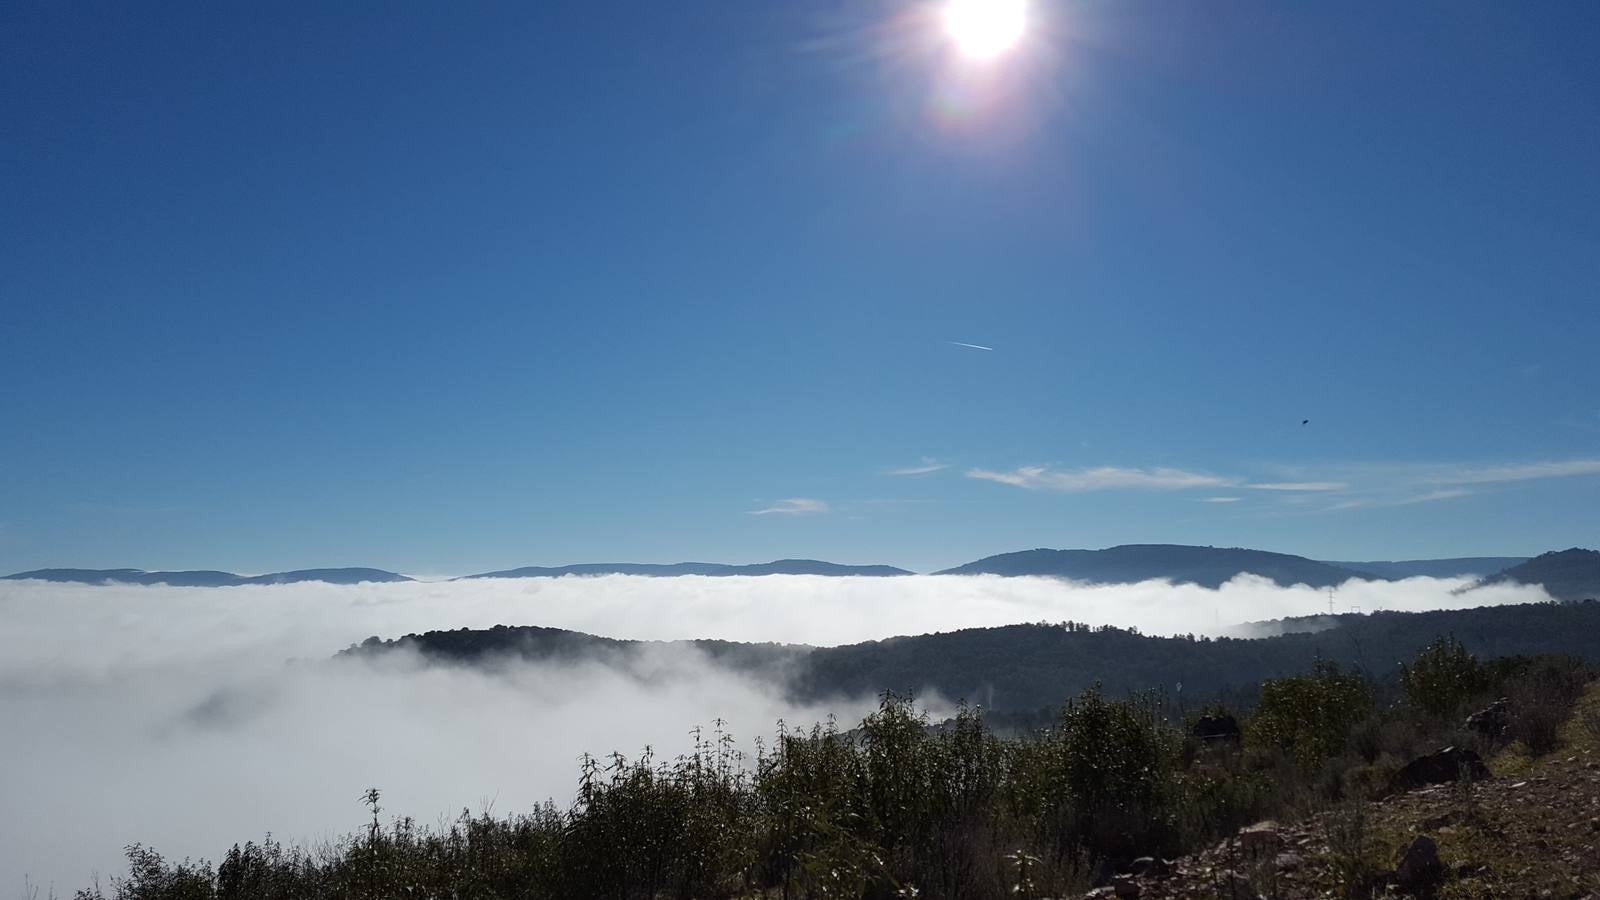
(1443, 678)
(1310, 716)
(151, 878)
(1106, 776)
(1542, 697)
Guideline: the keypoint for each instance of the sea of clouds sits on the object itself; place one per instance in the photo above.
(191, 718)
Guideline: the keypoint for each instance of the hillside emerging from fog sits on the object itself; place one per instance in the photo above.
(1566, 574)
(1022, 668)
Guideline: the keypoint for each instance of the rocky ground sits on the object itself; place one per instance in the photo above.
(1531, 830)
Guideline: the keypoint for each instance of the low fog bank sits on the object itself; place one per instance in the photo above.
(191, 756)
(189, 718)
(56, 625)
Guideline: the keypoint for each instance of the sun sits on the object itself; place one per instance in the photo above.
(985, 29)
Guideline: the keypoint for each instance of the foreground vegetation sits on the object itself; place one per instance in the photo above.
(896, 808)
(1531, 830)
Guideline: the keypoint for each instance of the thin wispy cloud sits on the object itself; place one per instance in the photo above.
(794, 506)
(1383, 486)
(1431, 496)
(1304, 490)
(928, 466)
(1102, 478)
(1298, 486)
(970, 346)
(1569, 468)
(1412, 500)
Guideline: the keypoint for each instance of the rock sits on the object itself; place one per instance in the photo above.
(1122, 886)
(1152, 866)
(1288, 862)
(1419, 868)
(1260, 839)
(1443, 767)
(1491, 721)
(1216, 728)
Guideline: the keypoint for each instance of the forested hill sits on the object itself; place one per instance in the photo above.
(503, 644)
(1566, 574)
(1020, 668)
(1459, 567)
(1130, 563)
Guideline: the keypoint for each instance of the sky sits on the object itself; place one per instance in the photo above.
(445, 289)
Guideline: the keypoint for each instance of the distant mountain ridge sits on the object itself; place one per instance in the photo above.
(1131, 563)
(206, 578)
(1572, 574)
(1460, 567)
(668, 570)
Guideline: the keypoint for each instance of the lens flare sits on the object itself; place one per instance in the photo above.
(984, 29)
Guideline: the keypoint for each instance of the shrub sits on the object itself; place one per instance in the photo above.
(1102, 781)
(1352, 848)
(151, 878)
(1442, 678)
(1310, 716)
(1542, 697)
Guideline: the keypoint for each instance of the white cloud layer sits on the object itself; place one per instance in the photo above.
(175, 717)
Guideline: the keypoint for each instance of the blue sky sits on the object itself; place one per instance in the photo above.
(445, 288)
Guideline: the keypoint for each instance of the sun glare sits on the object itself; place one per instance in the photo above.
(985, 29)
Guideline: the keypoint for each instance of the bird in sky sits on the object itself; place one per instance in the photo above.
(1305, 421)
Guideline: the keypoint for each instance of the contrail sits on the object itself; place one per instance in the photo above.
(970, 346)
